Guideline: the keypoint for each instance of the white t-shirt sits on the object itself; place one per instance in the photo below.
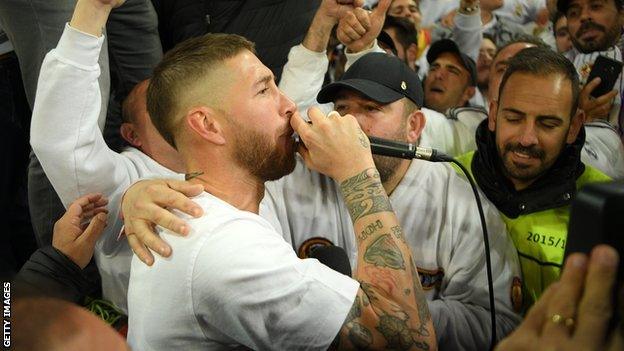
(234, 281)
(437, 211)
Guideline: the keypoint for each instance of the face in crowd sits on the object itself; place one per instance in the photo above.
(499, 66)
(534, 119)
(399, 120)
(447, 84)
(258, 119)
(487, 51)
(562, 35)
(407, 9)
(246, 119)
(594, 25)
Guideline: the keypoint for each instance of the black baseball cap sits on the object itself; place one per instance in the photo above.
(447, 45)
(380, 77)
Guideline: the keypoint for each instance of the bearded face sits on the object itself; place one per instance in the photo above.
(594, 25)
(387, 166)
(264, 158)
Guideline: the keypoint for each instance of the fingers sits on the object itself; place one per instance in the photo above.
(166, 196)
(147, 235)
(186, 188)
(596, 307)
(351, 28)
(298, 124)
(589, 87)
(606, 98)
(567, 296)
(535, 318)
(140, 250)
(382, 8)
(360, 21)
(316, 116)
(94, 230)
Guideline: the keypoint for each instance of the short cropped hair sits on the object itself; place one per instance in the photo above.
(188, 63)
(539, 61)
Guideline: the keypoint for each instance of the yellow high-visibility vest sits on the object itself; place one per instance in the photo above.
(540, 238)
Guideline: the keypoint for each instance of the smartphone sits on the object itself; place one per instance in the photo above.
(608, 70)
(596, 218)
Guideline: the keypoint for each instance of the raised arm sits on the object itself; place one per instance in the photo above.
(467, 30)
(390, 310)
(64, 130)
(304, 73)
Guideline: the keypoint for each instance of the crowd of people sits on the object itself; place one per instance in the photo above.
(186, 162)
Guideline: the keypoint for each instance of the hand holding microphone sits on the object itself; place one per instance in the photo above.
(333, 145)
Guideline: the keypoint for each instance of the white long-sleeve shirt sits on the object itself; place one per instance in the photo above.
(68, 143)
(309, 207)
(439, 217)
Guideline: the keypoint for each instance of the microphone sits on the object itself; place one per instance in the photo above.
(398, 149)
(333, 257)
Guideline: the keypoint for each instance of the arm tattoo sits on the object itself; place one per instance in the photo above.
(371, 229)
(360, 336)
(398, 233)
(355, 311)
(384, 252)
(364, 194)
(363, 139)
(398, 334)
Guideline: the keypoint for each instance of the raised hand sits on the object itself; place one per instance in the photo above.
(76, 233)
(572, 314)
(595, 108)
(90, 16)
(336, 9)
(358, 29)
(326, 17)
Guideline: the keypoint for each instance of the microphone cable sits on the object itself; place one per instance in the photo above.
(404, 150)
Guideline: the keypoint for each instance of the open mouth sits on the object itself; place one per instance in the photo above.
(436, 90)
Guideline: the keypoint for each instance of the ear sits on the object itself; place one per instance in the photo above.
(415, 125)
(575, 126)
(130, 135)
(468, 94)
(492, 116)
(204, 123)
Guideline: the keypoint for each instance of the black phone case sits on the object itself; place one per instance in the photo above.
(608, 70)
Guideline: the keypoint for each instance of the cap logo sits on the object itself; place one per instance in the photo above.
(403, 85)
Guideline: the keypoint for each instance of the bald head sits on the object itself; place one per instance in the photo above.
(51, 324)
(135, 103)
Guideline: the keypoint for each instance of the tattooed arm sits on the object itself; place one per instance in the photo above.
(390, 310)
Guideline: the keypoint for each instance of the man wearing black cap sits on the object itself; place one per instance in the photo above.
(451, 79)
(435, 208)
(595, 28)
